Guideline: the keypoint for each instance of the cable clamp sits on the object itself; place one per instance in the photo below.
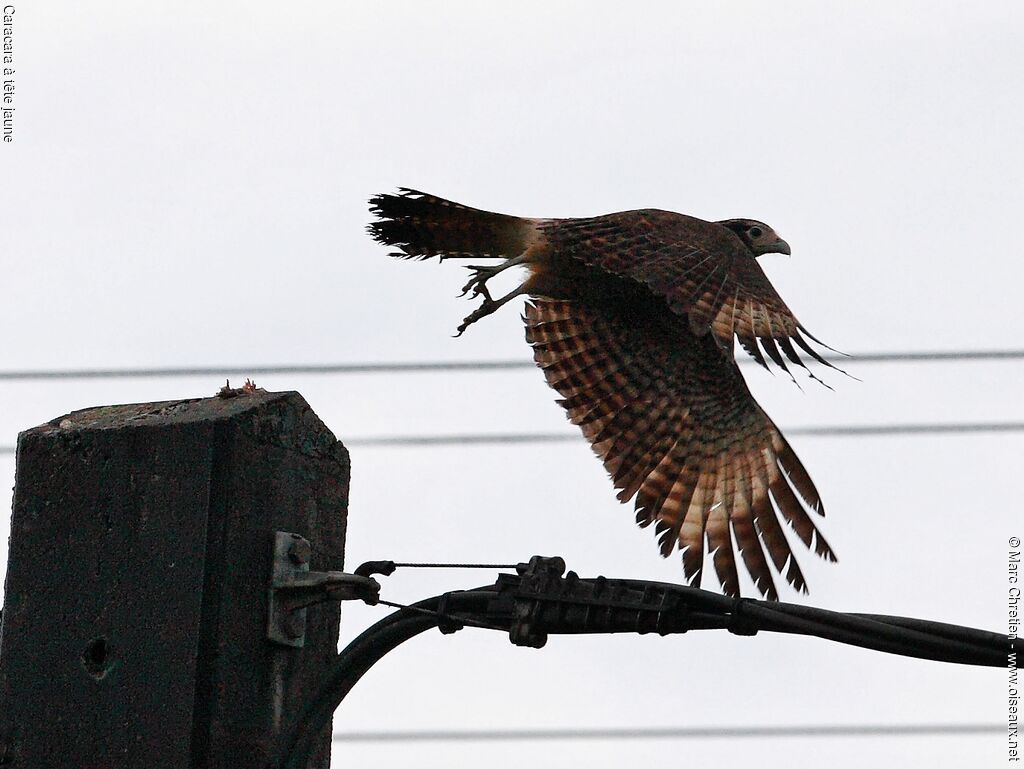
(294, 588)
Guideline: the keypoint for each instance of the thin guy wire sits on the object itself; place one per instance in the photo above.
(833, 431)
(696, 732)
(429, 366)
(449, 617)
(455, 565)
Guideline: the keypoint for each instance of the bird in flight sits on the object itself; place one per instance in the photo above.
(632, 317)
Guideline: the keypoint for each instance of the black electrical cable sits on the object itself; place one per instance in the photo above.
(353, 662)
(551, 603)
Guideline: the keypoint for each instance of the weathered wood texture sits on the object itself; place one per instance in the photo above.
(135, 600)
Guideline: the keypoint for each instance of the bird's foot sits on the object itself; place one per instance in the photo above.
(485, 309)
(488, 305)
(478, 282)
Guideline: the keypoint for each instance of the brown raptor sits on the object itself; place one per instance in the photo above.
(632, 318)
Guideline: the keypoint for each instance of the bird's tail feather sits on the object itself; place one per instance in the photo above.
(421, 225)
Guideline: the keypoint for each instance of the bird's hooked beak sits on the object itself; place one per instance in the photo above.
(779, 247)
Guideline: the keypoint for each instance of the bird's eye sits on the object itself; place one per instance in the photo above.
(755, 232)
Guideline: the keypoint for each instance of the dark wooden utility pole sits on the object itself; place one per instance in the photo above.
(134, 620)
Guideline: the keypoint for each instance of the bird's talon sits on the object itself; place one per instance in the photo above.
(486, 308)
(477, 282)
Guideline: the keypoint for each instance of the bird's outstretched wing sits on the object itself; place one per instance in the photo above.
(702, 269)
(676, 426)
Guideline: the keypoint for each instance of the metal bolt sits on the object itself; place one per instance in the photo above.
(300, 552)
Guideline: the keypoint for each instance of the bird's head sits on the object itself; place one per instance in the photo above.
(757, 236)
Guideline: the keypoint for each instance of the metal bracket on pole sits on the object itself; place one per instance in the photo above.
(293, 588)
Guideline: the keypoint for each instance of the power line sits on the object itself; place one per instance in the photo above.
(264, 369)
(686, 732)
(543, 599)
(410, 367)
(831, 431)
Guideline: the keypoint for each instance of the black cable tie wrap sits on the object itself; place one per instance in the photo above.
(739, 622)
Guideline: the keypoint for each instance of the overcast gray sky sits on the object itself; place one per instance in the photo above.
(188, 185)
